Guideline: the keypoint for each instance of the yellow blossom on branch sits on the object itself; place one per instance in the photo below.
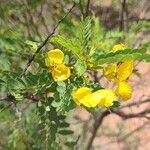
(55, 56)
(60, 72)
(110, 72)
(124, 90)
(119, 74)
(80, 93)
(102, 97)
(125, 70)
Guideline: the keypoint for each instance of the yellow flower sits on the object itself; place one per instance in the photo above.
(103, 97)
(110, 72)
(125, 70)
(124, 90)
(60, 72)
(55, 56)
(80, 93)
(107, 97)
(119, 47)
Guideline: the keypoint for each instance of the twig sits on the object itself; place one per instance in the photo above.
(131, 115)
(46, 40)
(97, 124)
(124, 16)
(81, 8)
(87, 8)
(135, 103)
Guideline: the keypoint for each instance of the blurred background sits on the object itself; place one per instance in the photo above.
(23, 22)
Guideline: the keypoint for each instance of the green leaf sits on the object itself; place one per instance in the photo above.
(65, 132)
(61, 117)
(39, 103)
(63, 125)
(32, 44)
(86, 33)
(15, 84)
(71, 143)
(80, 68)
(95, 86)
(145, 58)
(2, 81)
(66, 43)
(118, 56)
(56, 104)
(18, 96)
(47, 108)
(66, 59)
(116, 105)
(61, 87)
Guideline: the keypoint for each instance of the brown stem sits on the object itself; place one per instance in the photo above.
(97, 124)
(87, 8)
(124, 16)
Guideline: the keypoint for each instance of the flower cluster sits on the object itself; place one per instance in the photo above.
(58, 69)
(116, 72)
(119, 73)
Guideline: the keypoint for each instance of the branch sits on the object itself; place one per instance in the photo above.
(123, 115)
(87, 8)
(46, 40)
(124, 16)
(96, 125)
(135, 103)
(81, 7)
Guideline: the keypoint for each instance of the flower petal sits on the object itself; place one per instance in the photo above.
(110, 72)
(125, 70)
(124, 90)
(80, 93)
(107, 97)
(103, 98)
(55, 56)
(119, 47)
(60, 72)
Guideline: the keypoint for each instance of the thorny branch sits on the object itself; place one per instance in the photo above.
(47, 38)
